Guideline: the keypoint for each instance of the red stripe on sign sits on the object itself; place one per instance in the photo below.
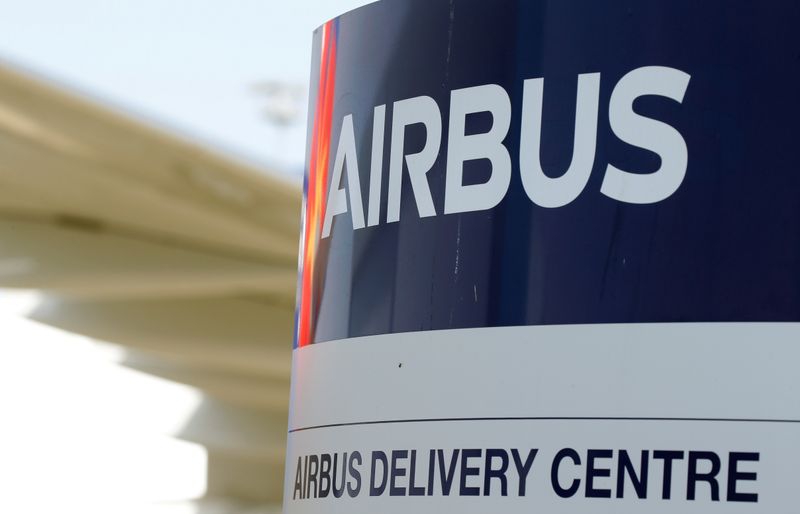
(316, 188)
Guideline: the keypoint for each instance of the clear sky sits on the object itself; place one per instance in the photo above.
(192, 65)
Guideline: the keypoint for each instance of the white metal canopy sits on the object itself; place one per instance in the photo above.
(184, 257)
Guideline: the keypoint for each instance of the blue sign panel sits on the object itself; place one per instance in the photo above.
(627, 161)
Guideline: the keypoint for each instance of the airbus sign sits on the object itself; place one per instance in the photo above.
(542, 188)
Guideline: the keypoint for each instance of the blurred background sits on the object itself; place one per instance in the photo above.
(151, 161)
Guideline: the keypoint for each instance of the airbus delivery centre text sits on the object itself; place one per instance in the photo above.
(567, 473)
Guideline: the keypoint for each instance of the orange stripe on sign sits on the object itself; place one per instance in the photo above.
(317, 181)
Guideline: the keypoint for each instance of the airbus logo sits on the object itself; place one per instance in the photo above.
(543, 190)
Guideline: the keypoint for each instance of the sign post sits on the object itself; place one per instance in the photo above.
(550, 260)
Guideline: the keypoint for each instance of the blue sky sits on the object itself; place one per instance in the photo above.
(188, 64)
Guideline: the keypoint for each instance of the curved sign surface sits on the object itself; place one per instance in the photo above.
(550, 260)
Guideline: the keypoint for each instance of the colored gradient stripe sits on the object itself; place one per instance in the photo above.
(317, 181)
